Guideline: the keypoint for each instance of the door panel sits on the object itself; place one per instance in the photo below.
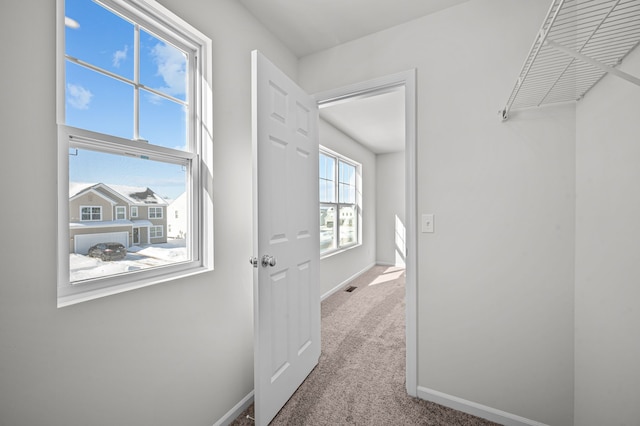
(286, 293)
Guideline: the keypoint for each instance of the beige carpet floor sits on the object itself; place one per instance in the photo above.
(360, 379)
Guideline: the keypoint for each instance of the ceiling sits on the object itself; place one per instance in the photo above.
(309, 26)
(376, 122)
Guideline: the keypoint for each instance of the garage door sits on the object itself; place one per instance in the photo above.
(84, 242)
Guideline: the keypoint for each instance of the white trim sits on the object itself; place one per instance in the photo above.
(237, 409)
(162, 276)
(370, 88)
(124, 212)
(345, 282)
(473, 408)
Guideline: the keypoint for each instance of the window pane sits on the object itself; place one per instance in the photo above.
(348, 225)
(97, 102)
(327, 191)
(347, 183)
(163, 67)
(327, 228)
(100, 180)
(327, 179)
(99, 37)
(162, 121)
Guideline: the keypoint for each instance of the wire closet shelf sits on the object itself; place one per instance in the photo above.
(580, 41)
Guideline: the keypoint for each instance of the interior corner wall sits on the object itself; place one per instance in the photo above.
(390, 206)
(177, 353)
(338, 269)
(607, 316)
(495, 280)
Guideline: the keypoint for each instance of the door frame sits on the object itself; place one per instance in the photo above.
(370, 88)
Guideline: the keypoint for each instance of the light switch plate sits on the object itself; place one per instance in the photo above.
(427, 222)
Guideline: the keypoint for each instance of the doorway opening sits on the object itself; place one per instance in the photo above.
(406, 235)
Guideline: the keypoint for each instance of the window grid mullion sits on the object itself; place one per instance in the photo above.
(136, 81)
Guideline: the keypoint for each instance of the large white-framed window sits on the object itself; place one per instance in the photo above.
(133, 84)
(339, 202)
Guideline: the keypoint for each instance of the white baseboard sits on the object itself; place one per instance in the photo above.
(235, 411)
(473, 408)
(384, 263)
(345, 282)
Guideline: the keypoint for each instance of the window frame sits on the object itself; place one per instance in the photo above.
(198, 159)
(91, 214)
(155, 209)
(357, 205)
(134, 211)
(122, 209)
(155, 229)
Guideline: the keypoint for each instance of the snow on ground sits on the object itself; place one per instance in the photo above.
(83, 267)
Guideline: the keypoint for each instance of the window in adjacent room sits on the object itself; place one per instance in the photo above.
(134, 126)
(339, 202)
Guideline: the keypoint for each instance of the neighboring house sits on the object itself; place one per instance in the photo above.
(103, 213)
(177, 217)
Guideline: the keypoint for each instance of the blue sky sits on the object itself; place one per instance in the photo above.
(100, 103)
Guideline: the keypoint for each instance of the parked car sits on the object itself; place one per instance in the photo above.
(108, 251)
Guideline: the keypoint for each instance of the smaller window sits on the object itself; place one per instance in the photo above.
(339, 209)
(121, 213)
(134, 211)
(155, 212)
(156, 232)
(90, 213)
(176, 214)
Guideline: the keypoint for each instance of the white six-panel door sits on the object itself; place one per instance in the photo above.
(286, 237)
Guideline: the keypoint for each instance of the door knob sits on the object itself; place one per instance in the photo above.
(268, 260)
(253, 261)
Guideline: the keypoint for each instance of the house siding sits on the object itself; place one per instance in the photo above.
(100, 196)
(90, 199)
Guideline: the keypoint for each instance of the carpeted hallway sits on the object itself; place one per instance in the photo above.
(360, 379)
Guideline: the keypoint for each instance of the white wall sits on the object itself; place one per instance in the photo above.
(390, 206)
(338, 268)
(607, 343)
(178, 353)
(495, 280)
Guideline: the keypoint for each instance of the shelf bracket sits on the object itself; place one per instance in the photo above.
(591, 61)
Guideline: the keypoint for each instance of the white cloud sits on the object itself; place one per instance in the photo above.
(172, 67)
(154, 99)
(71, 23)
(120, 56)
(78, 97)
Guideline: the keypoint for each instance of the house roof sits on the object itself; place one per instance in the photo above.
(135, 195)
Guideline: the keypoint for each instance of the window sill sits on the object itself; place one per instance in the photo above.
(339, 251)
(72, 299)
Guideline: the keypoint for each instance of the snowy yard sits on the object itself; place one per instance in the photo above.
(82, 267)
